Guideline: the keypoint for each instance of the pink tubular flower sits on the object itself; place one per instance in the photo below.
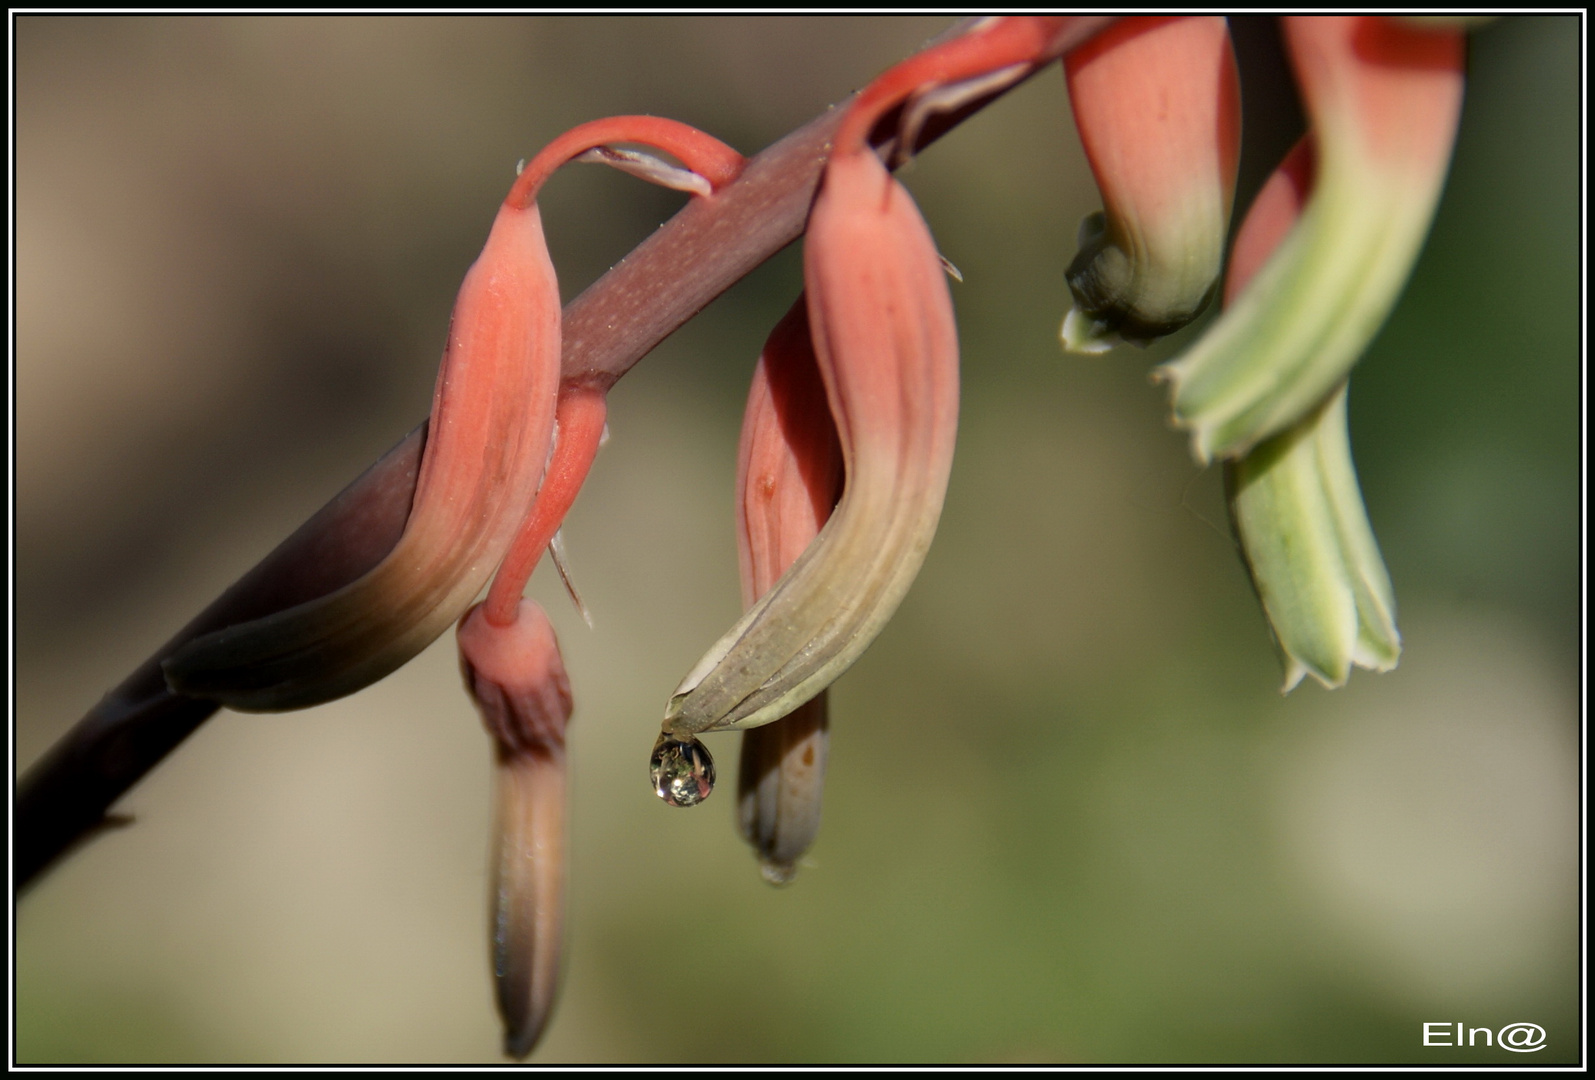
(487, 445)
(1156, 100)
(487, 442)
(1383, 98)
(882, 324)
(789, 474)
(508, 652)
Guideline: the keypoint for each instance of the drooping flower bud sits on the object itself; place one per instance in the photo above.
(508, 651)
(487, 444)
(789, 474)
(1295, 504)
(883, 330)
(1382, 97)
(515, 676)
(1156, 100)
(882, 325)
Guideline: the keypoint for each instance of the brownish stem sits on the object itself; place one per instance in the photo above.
(666, 280)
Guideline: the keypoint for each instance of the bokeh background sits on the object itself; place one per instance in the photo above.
(1069, 817)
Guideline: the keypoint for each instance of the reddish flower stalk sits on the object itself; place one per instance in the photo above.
(999, 43)
(702, 154)
(579, 428)
(581, 409)
(789, 474)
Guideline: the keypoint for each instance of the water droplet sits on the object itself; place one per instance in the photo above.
(682, 770)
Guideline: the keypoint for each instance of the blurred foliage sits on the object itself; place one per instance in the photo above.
(1069, 818)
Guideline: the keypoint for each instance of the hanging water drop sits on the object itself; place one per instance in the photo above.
(682, 770)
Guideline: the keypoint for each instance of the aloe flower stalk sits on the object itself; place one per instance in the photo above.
(517, 679)
(487, 445)
(789, 473)
(882, 325)
(1156, 100)
(1295, 503)
(1383, 99)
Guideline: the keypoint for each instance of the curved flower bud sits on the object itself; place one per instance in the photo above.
(1156, 100)
(487, 445)
(487, 442)
(508, 652)
(789, 474)
(1383, 99)
(1295, 504)
(515, 676)
(883, 331)
(882, 324)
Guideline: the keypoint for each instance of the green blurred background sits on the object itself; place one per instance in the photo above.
(1069, 817)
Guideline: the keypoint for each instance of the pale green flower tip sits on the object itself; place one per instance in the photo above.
(672, 723)
(1377, 654)
(1202, 432)
(1295, 671)
(1085, 336)
(1201, 444)
(1328, 662)
(1326, 681)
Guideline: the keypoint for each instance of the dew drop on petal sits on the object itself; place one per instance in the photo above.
(682, 770)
